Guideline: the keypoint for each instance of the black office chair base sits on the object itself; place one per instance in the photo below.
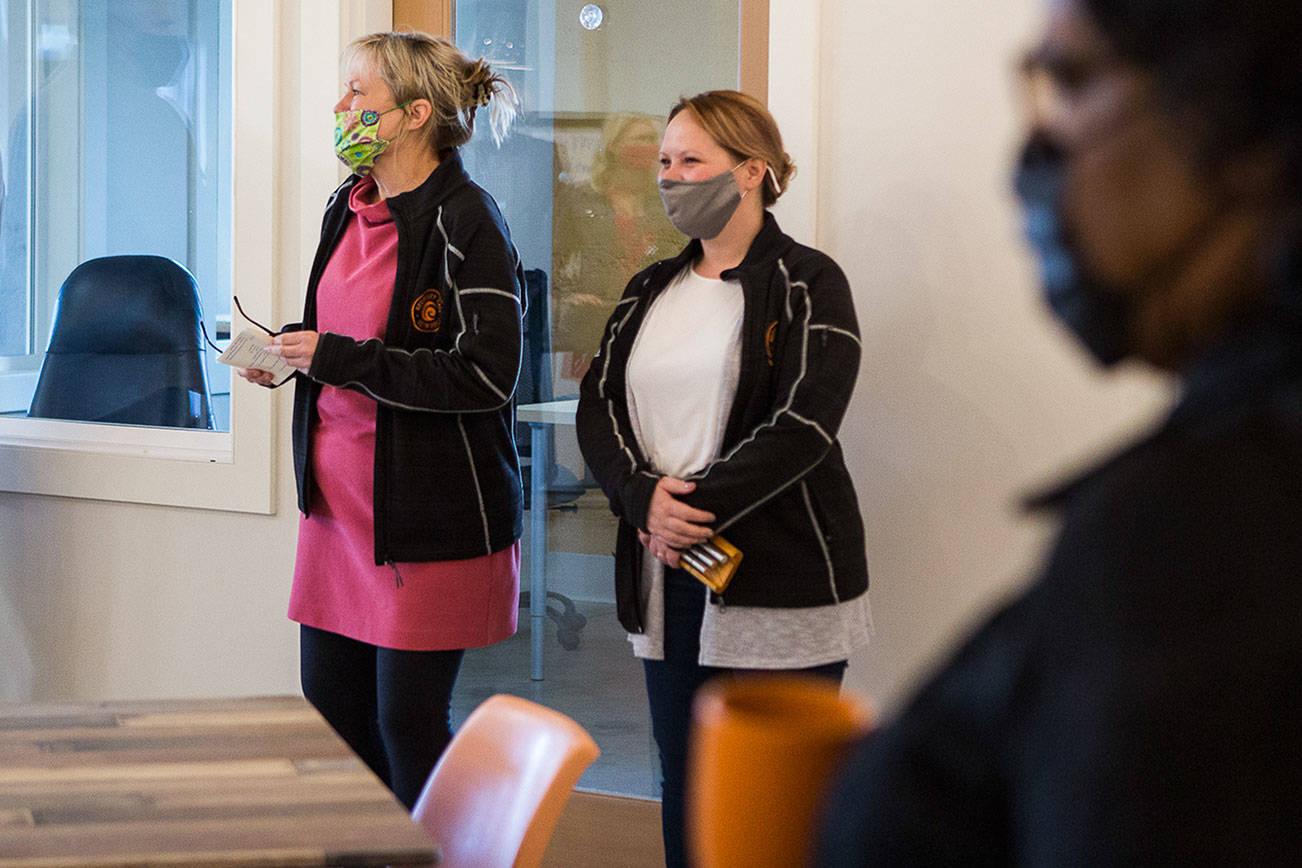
(569, 623)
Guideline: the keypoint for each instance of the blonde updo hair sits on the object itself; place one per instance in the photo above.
(419, 66)
(743, 126)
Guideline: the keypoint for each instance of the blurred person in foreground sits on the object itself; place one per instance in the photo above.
(1141, 703)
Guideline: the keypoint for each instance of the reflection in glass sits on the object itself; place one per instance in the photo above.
(607, 229)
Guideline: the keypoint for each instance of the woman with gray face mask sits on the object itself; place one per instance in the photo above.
(712, 409)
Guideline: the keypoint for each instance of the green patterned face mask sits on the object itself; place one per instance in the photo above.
(357, 138)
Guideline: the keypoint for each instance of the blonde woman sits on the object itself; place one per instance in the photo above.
(713, 408)
(407, 358)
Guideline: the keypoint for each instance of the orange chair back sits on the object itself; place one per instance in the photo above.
(495, 795)
(763, 752)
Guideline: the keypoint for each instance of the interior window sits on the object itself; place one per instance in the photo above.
(115, 186)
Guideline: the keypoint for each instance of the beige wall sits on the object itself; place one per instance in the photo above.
(904, 126)
(968, 395)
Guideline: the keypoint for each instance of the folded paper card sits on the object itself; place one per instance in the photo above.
(248, 349)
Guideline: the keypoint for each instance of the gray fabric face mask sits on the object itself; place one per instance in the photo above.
(700, 209)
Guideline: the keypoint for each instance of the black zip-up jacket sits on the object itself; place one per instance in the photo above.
(447, 478)
(1140, 702)
(779, 491)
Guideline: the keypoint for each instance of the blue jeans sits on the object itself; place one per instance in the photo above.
(671, 685)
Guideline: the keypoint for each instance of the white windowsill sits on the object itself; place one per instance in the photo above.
(129, 440)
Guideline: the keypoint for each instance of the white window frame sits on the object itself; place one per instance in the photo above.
(794, 73)
(232, 470)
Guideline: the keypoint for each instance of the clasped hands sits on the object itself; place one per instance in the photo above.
(296, 348)
(671, 524)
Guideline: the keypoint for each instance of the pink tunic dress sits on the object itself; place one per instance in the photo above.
(437, 605)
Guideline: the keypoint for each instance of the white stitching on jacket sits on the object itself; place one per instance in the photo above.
(810, 422)
(392, 403)
(474, 475)
(461, 314)
(388, 402)
(487, 290)
(818, 532)
(840, 331)
(601, 390)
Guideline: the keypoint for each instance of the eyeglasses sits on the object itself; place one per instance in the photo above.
(1061, 90)
(236, 299)
(240, 308)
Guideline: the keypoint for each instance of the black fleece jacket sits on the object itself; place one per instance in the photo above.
(447, 479)
(779, 491)
(1141, 702)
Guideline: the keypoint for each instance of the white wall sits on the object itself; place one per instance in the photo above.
(968, 395)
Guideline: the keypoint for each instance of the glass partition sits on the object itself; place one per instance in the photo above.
(576, 182)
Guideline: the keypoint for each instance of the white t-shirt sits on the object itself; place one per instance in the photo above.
(682, 372)
(681, 381)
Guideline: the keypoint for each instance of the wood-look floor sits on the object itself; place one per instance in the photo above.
(604, 831)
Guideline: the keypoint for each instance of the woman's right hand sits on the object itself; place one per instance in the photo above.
(256, 376)
(673, 521)
(659, 549)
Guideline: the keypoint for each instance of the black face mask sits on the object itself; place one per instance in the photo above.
(1099, 317)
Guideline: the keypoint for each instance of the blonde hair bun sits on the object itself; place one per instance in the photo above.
(418, 66)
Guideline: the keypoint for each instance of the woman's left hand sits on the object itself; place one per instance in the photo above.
(296, 348)
(672, 520)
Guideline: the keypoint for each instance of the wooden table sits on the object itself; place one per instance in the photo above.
(221, 782)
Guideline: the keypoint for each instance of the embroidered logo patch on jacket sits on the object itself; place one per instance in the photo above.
(427, 311)
(770, 337)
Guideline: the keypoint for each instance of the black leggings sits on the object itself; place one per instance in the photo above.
(394, 708)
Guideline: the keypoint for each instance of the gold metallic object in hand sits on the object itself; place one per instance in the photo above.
(714, 562)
